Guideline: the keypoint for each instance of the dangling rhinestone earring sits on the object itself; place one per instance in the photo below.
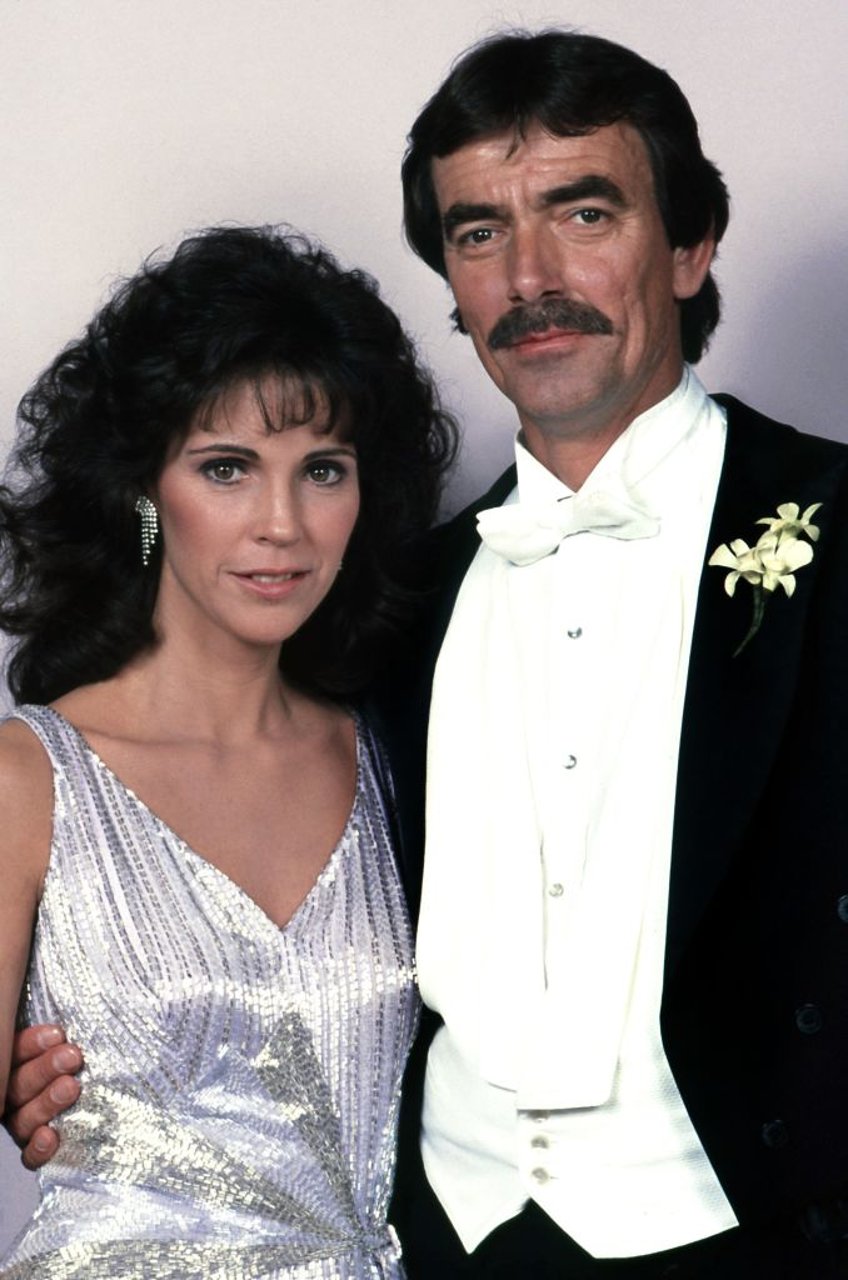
(149, 526)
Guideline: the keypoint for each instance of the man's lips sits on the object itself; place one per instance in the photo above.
(549, 335)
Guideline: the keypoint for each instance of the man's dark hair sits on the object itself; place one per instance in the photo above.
(571, 84)
(231, 306)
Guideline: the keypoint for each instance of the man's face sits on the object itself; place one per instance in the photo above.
(564, 278)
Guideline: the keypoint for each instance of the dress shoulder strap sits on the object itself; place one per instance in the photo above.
(63, 743)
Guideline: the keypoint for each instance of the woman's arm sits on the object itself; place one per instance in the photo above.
(26, 820)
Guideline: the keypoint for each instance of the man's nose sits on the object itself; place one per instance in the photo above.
(536, 266)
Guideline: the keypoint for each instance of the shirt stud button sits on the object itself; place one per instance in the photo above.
(569, 762)
(574, 633)
(540, 1141)
(540, 1175)
(556, 890)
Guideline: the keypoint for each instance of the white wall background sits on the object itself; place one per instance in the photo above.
(124, 123)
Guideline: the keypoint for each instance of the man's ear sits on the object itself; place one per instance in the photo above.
(691, 264)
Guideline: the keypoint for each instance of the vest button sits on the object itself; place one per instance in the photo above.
(774, 1134)
(808, 1019)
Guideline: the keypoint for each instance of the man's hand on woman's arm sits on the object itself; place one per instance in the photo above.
(36, 1066)
(41, 1086)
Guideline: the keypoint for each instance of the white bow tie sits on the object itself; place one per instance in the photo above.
(527, 531)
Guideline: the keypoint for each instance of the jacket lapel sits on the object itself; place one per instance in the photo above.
(736, 708)
(454, 547)
(400, 702)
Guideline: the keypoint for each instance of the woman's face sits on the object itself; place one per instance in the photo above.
(254, 522)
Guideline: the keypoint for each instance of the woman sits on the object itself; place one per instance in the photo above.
(203, 538)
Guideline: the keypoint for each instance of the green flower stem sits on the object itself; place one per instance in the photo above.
(759, 593)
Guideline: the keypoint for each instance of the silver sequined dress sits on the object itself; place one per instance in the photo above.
(241, 1086)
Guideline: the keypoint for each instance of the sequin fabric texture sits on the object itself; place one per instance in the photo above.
(241, 1085)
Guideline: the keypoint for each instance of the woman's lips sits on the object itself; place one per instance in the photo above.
(270, 583)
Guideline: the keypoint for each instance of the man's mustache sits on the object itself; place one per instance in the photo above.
(550, 313)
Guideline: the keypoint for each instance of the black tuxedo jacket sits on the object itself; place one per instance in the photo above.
(755, 1006)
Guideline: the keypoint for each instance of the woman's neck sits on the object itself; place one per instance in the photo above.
(159, 695)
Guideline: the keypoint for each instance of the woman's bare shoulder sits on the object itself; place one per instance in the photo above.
(26, 793)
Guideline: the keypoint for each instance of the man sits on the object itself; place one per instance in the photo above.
(630, 824)
(634, 919)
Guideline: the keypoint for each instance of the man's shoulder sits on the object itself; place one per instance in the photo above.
(768, 464)
(750, 429)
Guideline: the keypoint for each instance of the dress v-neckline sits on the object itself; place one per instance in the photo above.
(230, 885)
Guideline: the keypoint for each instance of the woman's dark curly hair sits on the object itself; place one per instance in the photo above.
(232, 305)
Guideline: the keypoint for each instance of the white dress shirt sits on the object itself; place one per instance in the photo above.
(555, 726)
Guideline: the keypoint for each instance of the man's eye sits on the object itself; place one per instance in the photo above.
(223, 470)
(589, 217)
(478, 235)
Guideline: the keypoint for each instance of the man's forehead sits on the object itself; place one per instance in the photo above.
(617, 150)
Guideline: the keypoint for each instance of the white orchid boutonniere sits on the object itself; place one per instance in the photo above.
(773, 561)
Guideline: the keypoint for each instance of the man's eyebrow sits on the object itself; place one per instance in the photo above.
(590, 187)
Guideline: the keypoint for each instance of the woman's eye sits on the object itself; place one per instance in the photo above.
(324, 472)
(223, 470)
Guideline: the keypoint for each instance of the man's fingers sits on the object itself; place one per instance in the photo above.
(25, 1123)
(36, 1076)
(41, 1147)
(33, 1041)
(40, 1088)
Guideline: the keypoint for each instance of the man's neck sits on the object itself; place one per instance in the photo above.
(570, 460)
(572, 450)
